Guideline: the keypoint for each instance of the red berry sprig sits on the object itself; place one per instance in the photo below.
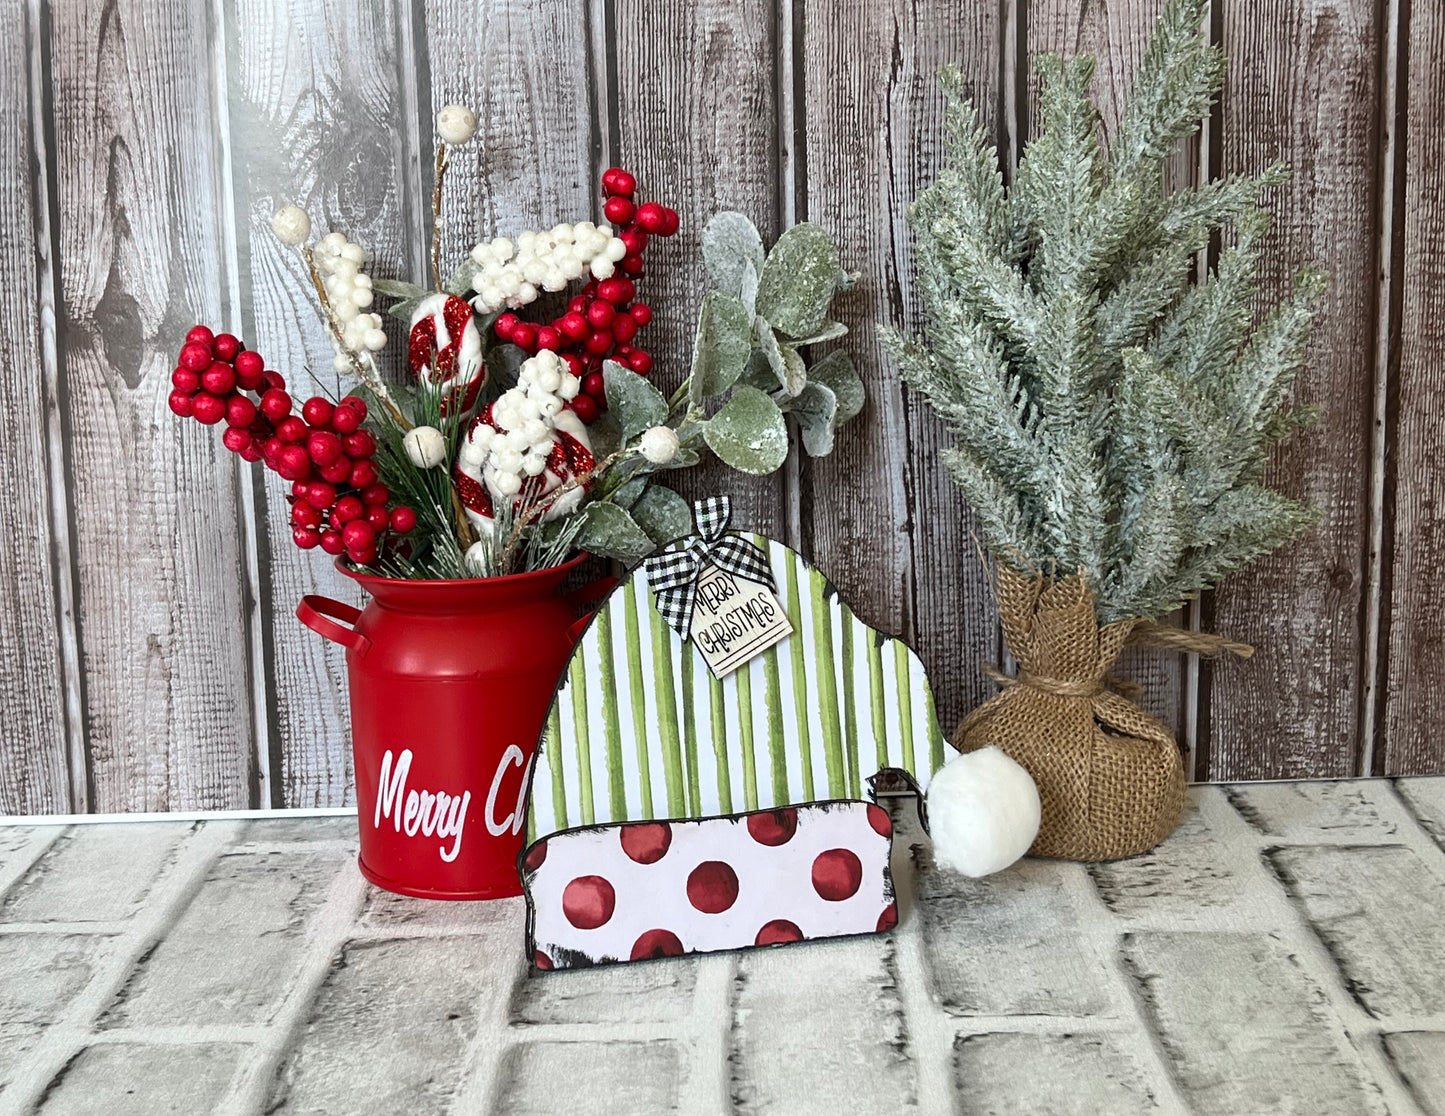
(337, 499)
(602, 321)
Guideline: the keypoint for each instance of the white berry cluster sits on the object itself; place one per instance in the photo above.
(514, 446)
(511, 273)
(349, 290)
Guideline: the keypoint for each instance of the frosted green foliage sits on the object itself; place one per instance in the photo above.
(766, 308)
(1110, 414)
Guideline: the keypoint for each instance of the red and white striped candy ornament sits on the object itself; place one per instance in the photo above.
(445, 348)
(525, 445)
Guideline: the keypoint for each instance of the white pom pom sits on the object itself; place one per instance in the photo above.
(562, 234)
(353, 253)
(426, 447)
(341, 362)
(534, 465)
(659, 444)
(361, 296)
(456, 124)
(549, 405)
(983, 812)
(375, 339)
(602, 268)
(569, 386)
(332, 243)
(509, 484)
(506, 460)
(615, 250)
(291, 225)
(502, 249)
(527, 295)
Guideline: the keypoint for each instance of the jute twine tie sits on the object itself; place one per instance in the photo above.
(1109, 775)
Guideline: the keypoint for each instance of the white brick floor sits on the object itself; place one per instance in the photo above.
(1283, 952)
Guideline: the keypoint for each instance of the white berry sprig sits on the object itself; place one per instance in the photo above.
(513, 273)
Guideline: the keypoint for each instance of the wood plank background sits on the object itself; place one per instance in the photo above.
(149, 658)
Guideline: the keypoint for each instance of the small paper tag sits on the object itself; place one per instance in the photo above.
(734, 619)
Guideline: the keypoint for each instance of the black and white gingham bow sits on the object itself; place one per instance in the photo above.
(674, 574)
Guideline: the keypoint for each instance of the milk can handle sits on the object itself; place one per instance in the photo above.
(592, 591)
(316, 612)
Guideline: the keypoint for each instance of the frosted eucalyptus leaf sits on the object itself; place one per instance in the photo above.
(816, 410)
(749, 293)
(836, 372)
(609, 531)
(686, 458)
(798, 281)
(724, 341)
(463, 277)
(831, 331)
(404, 309)
(397, 288)
(605, 435)
(663, 514)
(847, 280)
(787, 366)
(749, 433)
(629, 493)
(729, 243)
(635, 402)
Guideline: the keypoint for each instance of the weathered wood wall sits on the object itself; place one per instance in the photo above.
(149, 658)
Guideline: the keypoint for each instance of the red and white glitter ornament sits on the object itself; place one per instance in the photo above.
(524, 445)
(445, 348)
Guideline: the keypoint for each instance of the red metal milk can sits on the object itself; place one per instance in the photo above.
(450, 685)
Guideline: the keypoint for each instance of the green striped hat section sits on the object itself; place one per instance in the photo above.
(642, 730)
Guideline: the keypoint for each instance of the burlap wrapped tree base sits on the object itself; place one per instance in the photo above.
(1110, 777)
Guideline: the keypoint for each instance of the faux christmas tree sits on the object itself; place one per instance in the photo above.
(1113, 413)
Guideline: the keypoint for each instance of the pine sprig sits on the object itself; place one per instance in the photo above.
(1110, 414)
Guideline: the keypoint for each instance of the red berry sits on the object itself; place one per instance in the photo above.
(631, 265)
(640, 362)
(195, 357)
(323, 446)
(577, 305)
(226, 346)
(594, 385)
(585, 408)
(183, 379)
(504, 326)
(375, 495)
(201, 335)
(403, 519)
(275, 404)
(619, 292)
(307, 538)
(293, 464)
(548, 338)
(291, 430)
(320, 495)
(271, 451)
(363, 557)
(331, 542)
(235, 440)
(652, 217)
(249, 363)
(599, 342)
(317, 411)
(240, 413)
(634, 240)
(574, 363)
(219, 378)
(619, 210)
(524, 336)
(573, 326)
(207, 408)
(345, 419)
(304, 515)
(672, 222)
(359, 445)
(338, 472)
(271, 379)
(180, 403)
(248, 381)
(624, 328)
(378, 518)
(347, 508)
(251, 452)
(358, 534)
(641, 313)
(357, 404)
(615, 180)
(601, 313)
(363, 475)
(624, 350)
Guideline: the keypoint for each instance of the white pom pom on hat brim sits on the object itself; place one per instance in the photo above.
(983, 812)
